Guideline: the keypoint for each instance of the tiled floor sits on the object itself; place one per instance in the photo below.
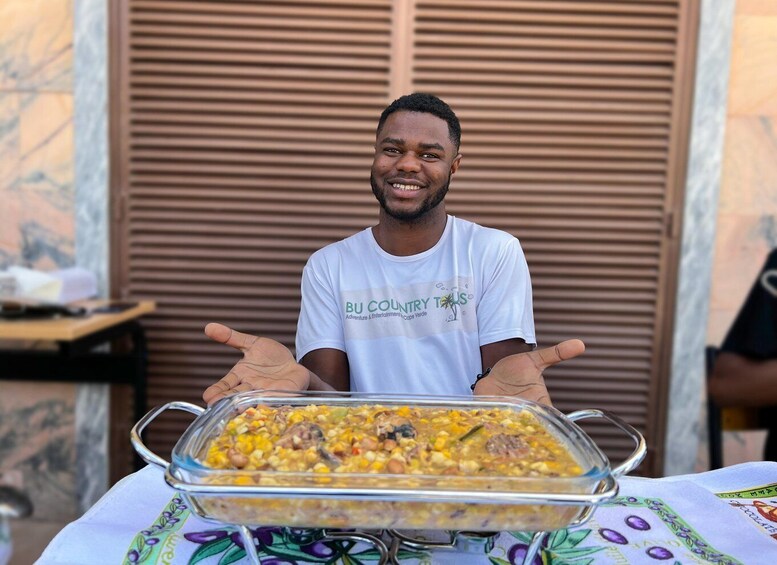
(30, 538)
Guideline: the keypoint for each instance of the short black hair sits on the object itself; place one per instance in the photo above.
(428, 104)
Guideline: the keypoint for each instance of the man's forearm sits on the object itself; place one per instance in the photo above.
(741, 381)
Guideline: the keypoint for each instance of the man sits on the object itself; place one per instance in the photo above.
(745, 372)
(421, 302)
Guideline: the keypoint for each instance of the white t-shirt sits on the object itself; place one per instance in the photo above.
(415, 324)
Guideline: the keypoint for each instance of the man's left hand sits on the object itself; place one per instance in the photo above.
(521, 374)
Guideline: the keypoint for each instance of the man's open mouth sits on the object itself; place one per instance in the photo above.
(405, 187)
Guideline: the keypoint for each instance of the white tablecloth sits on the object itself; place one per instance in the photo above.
(725, 516)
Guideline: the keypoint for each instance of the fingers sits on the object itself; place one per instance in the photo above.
(221, 388)
(228, 336)
(561, 352)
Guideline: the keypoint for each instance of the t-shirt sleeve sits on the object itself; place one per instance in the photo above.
(754, 331)
(320, 324)
(505, 308)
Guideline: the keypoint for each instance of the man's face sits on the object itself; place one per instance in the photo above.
(413, 164)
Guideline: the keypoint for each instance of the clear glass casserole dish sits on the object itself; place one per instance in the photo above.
(378, 500)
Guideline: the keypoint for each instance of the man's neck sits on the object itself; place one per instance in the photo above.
(410, 238)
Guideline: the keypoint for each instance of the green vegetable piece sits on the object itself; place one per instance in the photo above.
(339, 413)
(475, 429)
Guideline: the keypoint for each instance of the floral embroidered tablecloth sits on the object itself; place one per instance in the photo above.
(727, 516)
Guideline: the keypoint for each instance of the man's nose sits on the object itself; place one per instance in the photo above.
(409, 162)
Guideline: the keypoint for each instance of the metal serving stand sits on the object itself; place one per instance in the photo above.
(388, 542)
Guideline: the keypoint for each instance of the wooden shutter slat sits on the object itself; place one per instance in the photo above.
(325, 77)
(573, 18)
(667, 8)
(352, 146)
(241, 199)
(151, 184)
(504, 29)
(440, 62)
(192, 21)
(588, 55)
(243, 84)
(533, 77)
(267, 9)
(267, 32)
(200, 44)
(354, 61)
(257, 97)
(569, 93)
(456, 40)
(236, 108)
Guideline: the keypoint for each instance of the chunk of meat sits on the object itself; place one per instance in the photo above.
(301, 436)
(329, 459)
(391, 426)
(282, 414)
(506, 445)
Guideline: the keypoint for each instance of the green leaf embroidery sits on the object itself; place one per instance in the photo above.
(498, 561)
(576, 537)
(575, 562)
(211, 548)
(235, 553)
(557, 538)
(522, 536)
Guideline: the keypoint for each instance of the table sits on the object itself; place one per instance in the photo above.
(74, 358)
(727, 516)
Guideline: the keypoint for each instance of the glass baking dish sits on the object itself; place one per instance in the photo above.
(378, 501)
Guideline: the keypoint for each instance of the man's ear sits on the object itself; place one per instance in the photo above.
(455, 164)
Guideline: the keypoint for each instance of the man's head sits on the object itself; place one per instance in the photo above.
(425, 104)
(416, 152)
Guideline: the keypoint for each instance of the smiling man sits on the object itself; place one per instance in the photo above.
(422, 302)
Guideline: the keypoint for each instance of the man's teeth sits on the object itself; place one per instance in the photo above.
(405, 186)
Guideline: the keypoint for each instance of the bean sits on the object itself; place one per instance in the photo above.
(370, 443)
(395, 467)
(238, 459)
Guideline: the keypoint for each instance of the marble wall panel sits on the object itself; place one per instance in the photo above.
(9, 138)
(37, 444)
(10, 242)
(754, 66)
(750, 168)
(90, 91)
(742, 243)
(91, 138)
(685, 432)
(45, 184)
(757, 7)
(36, 51)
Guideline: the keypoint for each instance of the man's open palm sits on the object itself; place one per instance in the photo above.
(521, 374)
(266, 364)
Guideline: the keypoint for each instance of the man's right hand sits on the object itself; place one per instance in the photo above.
(266, 364)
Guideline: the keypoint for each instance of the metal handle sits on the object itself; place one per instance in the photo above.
(149, 456)
(636, 457)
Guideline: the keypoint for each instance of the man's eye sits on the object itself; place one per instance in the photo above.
(390, 150)
(430, 156)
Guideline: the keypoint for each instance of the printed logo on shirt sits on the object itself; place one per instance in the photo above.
(414, 311)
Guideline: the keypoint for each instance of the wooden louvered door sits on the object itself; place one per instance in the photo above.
(247, 142)
(573, 140)
(242, 137)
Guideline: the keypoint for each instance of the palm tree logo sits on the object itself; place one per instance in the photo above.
(447, 301)
(453, 299)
